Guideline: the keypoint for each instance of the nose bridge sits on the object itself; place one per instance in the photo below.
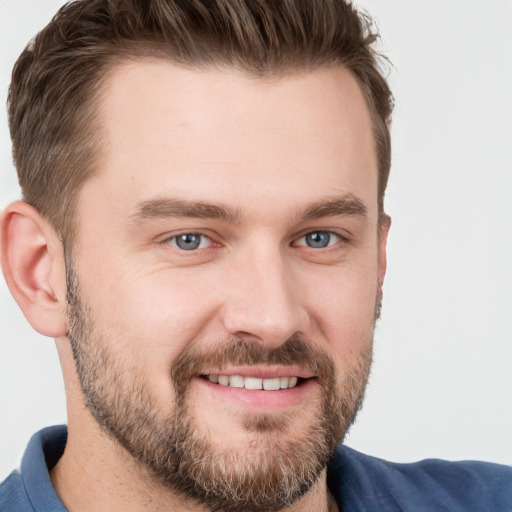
(263, 302)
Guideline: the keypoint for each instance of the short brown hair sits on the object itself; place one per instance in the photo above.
(56, 80)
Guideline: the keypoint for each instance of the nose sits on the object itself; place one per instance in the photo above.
(263, 300)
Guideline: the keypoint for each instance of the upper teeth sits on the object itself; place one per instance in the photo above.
(239, 381)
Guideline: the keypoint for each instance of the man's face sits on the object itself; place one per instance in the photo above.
(229, 242)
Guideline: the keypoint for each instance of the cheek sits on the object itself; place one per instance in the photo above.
(344, 312)
(148, 320)
(153, 316)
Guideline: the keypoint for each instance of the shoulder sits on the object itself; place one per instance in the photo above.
(13, 497)
(432, 484)
(30, 489)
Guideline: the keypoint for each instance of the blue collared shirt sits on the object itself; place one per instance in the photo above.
(358, 482)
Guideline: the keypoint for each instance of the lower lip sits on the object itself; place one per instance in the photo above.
(261, 399)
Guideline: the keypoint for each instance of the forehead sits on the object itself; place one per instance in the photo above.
(218, 135)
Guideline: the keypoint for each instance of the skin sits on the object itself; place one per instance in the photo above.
(265, 151)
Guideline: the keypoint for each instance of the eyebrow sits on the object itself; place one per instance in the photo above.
(347, 205)
(162, 208)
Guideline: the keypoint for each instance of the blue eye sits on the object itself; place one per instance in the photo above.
(319, 239)
(189, 241)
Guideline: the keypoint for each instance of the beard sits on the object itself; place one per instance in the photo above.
(272, 472)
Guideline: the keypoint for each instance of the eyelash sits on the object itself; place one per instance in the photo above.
(174, 240)
(338, 238)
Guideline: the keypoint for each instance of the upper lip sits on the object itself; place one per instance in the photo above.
(262, 371)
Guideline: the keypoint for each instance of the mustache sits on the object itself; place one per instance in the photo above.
(295, 351)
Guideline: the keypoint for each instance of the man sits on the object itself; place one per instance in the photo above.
(203, 233)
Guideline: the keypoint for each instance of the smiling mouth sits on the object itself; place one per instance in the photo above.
(239, 381)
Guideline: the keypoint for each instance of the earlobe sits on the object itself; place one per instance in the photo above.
(33, 266)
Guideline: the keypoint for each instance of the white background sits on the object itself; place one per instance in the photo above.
(442, 379)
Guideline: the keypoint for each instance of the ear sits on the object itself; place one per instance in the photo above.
(385, 224)
(33, 265)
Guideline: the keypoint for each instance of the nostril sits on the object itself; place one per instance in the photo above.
(268, 318)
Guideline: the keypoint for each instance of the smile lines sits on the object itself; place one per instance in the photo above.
(239, 381)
